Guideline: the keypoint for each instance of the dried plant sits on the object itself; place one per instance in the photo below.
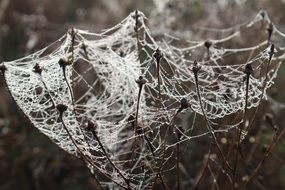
(113, 99)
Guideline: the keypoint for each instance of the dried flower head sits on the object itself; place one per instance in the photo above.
(196, 67)
(248, 69)
(141, 81)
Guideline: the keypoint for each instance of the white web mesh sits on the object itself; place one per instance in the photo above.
(97, 77)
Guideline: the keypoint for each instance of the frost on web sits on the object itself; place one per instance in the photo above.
(112, 98)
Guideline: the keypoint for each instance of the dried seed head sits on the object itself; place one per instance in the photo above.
(157, 55)
(248, 69)
(63, 62)
(37, 69)
(3, 68)
(141, 81)
(136, 15)
(184, 104)
(61, 108)
(72, 32)
(91, 127)
(196, 67)
(208, 44)
(262, 14)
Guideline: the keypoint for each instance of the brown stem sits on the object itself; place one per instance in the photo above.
(241, 130)
(158, 55)
(154, 157)
(82, 156)
(110, 161)
(178, 160)
(271, 53)
(266, 155)
(203, 171)
(195, 70)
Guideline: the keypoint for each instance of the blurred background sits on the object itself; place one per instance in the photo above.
(28, 159)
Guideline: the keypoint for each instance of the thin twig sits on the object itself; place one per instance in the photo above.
(203, 171)
(248, 71)
(271, 53)
(153, 154)
(195, 70)
(158, 55)
(108, 158)
(62, 108)
(266, 155)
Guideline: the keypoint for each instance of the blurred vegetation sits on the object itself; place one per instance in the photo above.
(29, 160)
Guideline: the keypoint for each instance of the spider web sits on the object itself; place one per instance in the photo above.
(122, 99)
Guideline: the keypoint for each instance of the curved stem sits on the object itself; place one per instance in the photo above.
(207, 121)
(110, 161)
(82, 156)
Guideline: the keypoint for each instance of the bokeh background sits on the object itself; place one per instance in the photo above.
(28, 159)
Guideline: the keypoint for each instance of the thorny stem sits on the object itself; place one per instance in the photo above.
(248, 71)
(195, 70)
(108, 158)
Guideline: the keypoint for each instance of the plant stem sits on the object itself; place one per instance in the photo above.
(83, 157)
(110, 161)
(201, 174)
(206, 119)
(266, 155)
(240, 133)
